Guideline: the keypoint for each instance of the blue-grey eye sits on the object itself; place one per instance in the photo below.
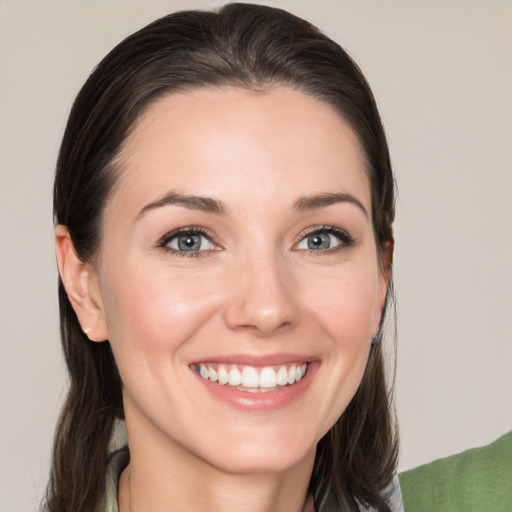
(319, 241)
(190, 242)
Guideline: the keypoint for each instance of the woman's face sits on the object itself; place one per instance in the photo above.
(238, 246)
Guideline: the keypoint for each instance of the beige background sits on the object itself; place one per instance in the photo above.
(442, 74)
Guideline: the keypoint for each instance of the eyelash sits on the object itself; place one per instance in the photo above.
(345, 239)
(189, 230)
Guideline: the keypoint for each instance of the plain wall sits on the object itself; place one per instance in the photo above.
(442, 75)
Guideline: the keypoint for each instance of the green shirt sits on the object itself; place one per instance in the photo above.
(477, 480)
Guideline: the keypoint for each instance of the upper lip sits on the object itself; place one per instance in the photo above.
(257, 360)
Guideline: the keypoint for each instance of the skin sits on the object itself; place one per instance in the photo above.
(255, 290)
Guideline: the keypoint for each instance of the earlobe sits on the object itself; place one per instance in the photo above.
(81, 284)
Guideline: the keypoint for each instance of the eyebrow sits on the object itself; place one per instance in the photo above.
(323, 200)
(204, 204)
(216, 206)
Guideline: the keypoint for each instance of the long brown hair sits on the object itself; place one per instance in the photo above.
(252, 47)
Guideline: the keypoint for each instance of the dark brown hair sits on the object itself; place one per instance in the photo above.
(252, 47)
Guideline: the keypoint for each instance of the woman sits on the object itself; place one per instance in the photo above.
(224, 205)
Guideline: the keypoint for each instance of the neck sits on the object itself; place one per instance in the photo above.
(244, 494)
(157, 482)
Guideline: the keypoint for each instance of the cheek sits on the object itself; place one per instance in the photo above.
(345, 302)
(343, 305)
(155, 310)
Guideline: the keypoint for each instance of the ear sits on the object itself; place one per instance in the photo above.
(385, 262)
(81, 283)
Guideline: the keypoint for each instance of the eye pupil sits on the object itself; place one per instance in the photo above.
(319, 241)
(189, 242)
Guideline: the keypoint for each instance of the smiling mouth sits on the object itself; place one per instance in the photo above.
(251, 378)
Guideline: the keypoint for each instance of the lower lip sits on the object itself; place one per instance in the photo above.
(261, 401)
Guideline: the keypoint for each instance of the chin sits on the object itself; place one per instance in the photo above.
(263, 463)
(267, 453)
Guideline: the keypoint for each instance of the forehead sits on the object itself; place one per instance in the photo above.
(213, 141)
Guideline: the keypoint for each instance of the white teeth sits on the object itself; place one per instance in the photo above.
(250, 377)
(235, 377)
(223, 375)
(282, 376)
(203, 371)
(267, 379)
(292, 372)
(212, 375)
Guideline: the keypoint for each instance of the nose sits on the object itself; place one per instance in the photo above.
(262, 298)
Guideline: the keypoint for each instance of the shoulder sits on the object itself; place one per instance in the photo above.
(475, 480)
